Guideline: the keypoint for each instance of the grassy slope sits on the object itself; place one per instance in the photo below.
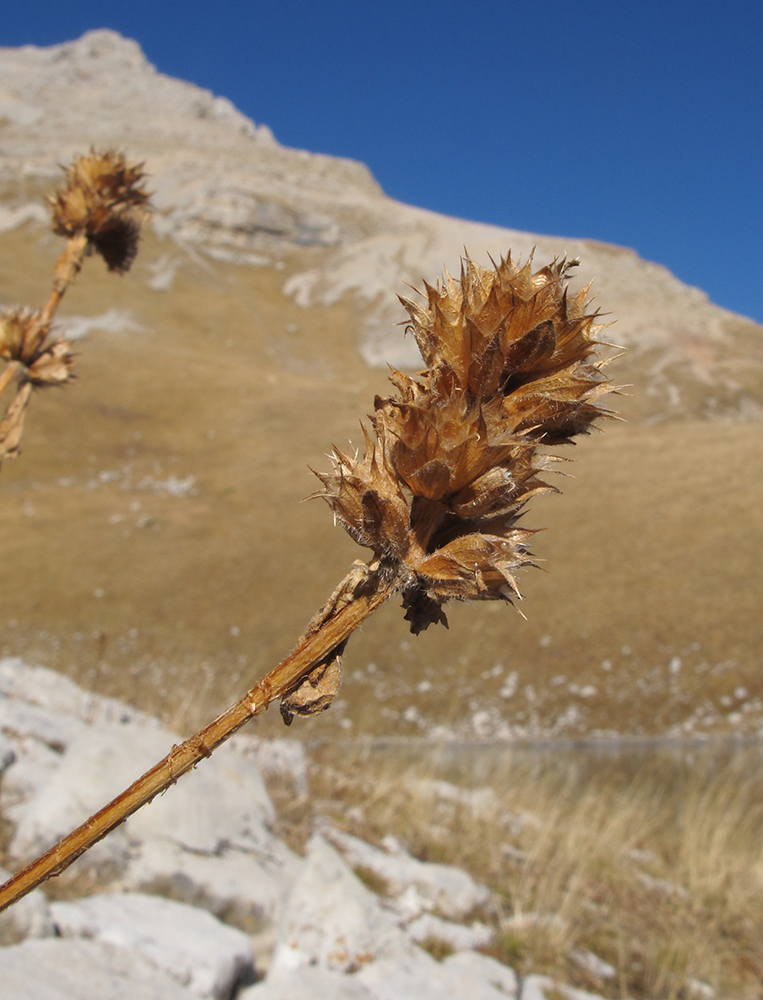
(651, 551)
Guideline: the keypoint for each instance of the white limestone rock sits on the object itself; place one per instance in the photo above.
(54, 729)
(276, 758)
(51, 690)
(208, 839)
(458, 937)
(99, 763)
(541, 987)
(250, 887)
(308, 983)
(8, 754)
(463, 975)
(449, 891)
(56, 969)
(334, 922)
(198, 951)
(29, 917)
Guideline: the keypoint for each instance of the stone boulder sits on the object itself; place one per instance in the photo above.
(334, 922)
(189, 944)
(419, 885)
(56, 969)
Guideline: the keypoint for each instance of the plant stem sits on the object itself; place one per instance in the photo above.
(339, 619)
(67, 268)
(11, 368)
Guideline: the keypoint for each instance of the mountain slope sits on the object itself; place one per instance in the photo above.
(152, 528)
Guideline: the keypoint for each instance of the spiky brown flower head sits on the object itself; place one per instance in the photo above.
(24, 339)
(104, 200)
(459, 448)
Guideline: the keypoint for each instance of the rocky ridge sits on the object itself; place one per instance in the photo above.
(225, 187)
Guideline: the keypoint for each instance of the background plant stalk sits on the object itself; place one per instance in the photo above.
(358, 595)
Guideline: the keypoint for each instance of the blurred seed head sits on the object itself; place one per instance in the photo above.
(459, 449)
(24, 339)
(104, 200)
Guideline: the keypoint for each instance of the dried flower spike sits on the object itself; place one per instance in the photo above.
(101, 208)
(36, 361)
(104, 201)
(459, 449)
(436, 496)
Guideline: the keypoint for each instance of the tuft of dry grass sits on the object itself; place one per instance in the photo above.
(653, 865)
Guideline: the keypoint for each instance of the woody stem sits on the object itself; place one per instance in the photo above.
(11, 368)
(67, 268)
(313, 648)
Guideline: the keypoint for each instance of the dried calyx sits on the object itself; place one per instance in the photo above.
(458, 450)
(100, 207)
(25, 340)
(104, 202)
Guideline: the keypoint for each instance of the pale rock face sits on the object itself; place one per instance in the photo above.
(29, 918)
(308, 983)
(209, 839)
(189, 944)
(542, 987)
(465, 974)
(217, 179)
(56, 969)
(418, 885)
(334, 922)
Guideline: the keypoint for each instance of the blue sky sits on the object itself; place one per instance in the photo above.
(639, 124)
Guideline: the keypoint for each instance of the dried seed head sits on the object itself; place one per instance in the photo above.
(21, 335)
(104, 200)
(24, 339)
(438, 494)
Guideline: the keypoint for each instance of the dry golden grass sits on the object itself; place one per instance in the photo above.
(654, 862)
(652, 549)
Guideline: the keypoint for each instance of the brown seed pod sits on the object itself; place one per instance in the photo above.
(103, 199)
(458, 448)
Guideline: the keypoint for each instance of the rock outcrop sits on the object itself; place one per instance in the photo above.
(208, 845)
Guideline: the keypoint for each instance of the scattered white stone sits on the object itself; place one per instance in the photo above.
(477, 800)
(663, 885)
(192, 946)
(592, 964)
(541, 987)
(458, 937)
(523, 921)
(333, 921)
(56, 969)
(12, 218)
(308, 983)
(112, 321)
(445, 889)
(29, 917)
(465, 974)
(700, 990)
(514, 853)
